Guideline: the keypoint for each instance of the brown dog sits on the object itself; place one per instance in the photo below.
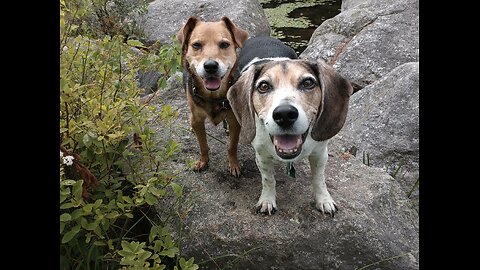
(209, 59)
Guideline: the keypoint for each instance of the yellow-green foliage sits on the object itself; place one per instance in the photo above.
(105, 136)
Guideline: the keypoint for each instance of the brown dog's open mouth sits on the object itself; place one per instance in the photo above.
(288, 146)
(212, 83)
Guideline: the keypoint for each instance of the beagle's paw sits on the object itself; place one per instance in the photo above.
(266, 206)
(326, 205)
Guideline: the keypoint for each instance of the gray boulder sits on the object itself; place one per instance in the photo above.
(368, 39)
(383, 122)
(166, 17)
(220, 229)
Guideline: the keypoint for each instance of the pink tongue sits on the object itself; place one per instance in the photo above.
(212, 83)
(287, 142)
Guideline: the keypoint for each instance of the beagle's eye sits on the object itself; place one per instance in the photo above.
(224, 45)
(308, 84)
(196, 45)
(264, 87)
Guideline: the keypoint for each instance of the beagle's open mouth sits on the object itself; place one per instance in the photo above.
(212, 83)
(288, 146)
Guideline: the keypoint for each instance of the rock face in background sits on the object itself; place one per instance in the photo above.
(383, 122)
(368, 39)
(166, 17)
(372, 43)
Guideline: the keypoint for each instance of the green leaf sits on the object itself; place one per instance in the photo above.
(66, 205)
(78, 213)
(112, 215)
(88, 208)
(69, 235)
(88, 237)
(65, 217)
(126, 246)
(144, 256)
(135, 43)
(87, 140)
(182, 263)
(62, 227)
(169, 252)
(150, 199)
(78, 189)
(177, 189)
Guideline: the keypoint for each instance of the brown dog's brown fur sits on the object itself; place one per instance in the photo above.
(202, 41)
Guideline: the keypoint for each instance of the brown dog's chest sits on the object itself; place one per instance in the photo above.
(215, 109)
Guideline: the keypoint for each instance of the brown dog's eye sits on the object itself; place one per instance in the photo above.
(224, 45)
(308, 84)
(264, 87)
(197, 45)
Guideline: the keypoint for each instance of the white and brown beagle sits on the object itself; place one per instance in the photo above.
(288, 109)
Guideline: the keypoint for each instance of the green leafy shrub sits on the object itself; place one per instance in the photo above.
(96, 18)
(113, 166)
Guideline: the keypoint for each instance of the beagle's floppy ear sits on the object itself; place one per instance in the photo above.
(336, 92)
(239, 35)
(183, 35)
(240, 97)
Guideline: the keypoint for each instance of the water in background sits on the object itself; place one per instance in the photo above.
(294, 21)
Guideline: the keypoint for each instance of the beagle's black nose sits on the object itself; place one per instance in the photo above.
(210, 66)
(285, 115)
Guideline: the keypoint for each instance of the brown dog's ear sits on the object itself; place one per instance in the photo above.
(183, 35)
(336, 92)
(239, 35)
(240, 97)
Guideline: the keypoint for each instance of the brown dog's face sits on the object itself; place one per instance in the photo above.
(209, 49)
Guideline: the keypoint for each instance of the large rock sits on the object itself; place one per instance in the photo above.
(375, 221)
(382, 122)
(384, 116)
(368, 39)
(166, 17)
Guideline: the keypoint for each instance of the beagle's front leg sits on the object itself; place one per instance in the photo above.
(323, 199)
(266, 204)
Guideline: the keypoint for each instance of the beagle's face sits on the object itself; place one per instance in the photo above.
(286, 97)
(210, 49)
(290, 100)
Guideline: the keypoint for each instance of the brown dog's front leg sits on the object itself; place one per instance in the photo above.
(234, 133)
(198, 126)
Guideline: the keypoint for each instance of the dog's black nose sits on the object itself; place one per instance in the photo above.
(210, 66)
(285, 115)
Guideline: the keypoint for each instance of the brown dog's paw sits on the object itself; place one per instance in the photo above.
(200, 165)
(234, 169)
